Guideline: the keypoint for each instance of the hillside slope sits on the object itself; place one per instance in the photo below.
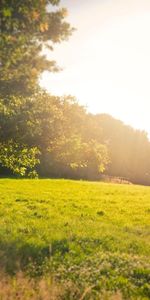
(88, 233)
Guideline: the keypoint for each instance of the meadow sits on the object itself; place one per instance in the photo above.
(91, 238)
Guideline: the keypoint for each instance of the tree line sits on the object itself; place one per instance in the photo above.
(46, 135)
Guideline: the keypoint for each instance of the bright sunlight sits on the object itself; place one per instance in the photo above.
(106, 63)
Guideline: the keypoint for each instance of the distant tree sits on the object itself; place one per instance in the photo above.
(129, 149)
(73, 157)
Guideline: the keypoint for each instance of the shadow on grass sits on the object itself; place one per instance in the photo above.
(16, 256)
(118, 271)
(20, 255)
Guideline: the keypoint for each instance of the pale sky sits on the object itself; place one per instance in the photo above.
(106, 62)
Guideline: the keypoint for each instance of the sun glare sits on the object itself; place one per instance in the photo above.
(107, 61)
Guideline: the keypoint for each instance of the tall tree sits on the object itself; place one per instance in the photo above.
(26, 27)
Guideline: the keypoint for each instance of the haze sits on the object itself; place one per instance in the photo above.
(106, 62)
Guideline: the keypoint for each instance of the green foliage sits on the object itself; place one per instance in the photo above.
(27, 27)
(72, 143)
(31, 119)
(86, 234)
(21, 160)
(56, 127)
(75, 157)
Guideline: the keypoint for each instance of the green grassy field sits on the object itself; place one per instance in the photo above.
(91, 235)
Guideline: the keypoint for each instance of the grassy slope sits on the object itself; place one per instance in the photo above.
(94, 234)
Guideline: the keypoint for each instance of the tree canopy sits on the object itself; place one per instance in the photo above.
(26, 27)
(51, 136)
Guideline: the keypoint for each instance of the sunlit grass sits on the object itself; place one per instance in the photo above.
(89, 233)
